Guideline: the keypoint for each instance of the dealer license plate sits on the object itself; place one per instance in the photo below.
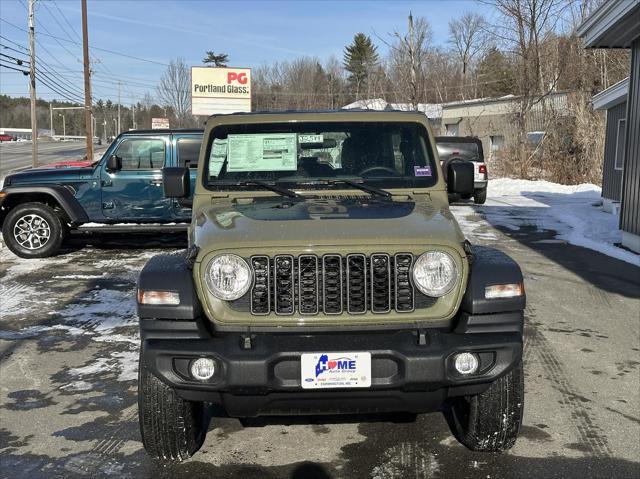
(336, 370)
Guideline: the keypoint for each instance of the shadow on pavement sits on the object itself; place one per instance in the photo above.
(123, 241)
(598, 269)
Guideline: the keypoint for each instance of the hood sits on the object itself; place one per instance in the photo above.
(70, 164)
(47, 175)
(275, 222)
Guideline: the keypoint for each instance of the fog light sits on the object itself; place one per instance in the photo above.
(203, 368)
(466, 363)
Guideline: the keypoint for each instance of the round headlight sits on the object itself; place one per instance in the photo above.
(435, 273)
(228, 277)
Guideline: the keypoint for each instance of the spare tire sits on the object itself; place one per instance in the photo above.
(447, 162)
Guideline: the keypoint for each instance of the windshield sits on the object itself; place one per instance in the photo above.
(315, 155)
(466, 151)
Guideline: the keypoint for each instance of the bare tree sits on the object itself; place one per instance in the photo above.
(468, 37)
(174, 91)
(408, 60)
(524, 25)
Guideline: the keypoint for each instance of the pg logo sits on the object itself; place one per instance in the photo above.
(237, 78)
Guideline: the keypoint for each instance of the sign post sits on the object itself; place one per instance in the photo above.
(220, 90)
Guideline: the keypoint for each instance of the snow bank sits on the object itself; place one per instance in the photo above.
(567, 209)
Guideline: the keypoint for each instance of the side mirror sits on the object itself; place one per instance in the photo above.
(176, 182)
(114, 163)
(460, 177)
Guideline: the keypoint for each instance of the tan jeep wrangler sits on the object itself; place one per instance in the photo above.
(326, 274)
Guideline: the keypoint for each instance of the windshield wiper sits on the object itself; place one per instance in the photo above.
(277, 189)
(364, 187)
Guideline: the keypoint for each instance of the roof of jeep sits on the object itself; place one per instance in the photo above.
(163, 131)
(352, 115)
(346, 111)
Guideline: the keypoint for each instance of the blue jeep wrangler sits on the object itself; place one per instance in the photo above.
(122, 192)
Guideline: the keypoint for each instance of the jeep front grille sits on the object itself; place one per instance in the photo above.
(333, 284)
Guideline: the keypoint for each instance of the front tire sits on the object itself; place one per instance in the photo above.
(33, 230)
(490, 421)
(172, 429)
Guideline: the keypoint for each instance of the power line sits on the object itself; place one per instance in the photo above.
(66, 20)
(64, 30)
(18, 61)
(64, 95)
(15, 43)
(25, 72)
(13, 50)
(45, 75)
(94, 48)
(57, 21)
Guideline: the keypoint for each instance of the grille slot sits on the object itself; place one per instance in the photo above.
(308, 291)
(403, 287)
(283, 290)
(260, 294)
(380, 283)
(332, 284)
(356, 284)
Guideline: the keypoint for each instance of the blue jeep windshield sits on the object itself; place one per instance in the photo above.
(310, 155)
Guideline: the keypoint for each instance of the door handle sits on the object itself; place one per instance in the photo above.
(156, 182)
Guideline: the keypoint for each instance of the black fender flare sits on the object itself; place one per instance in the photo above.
(59, 193)
(169, 272)
(489, 266)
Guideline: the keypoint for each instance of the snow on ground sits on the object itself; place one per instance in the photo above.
(567, 209)
(103, 314)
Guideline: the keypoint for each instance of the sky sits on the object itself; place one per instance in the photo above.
(252, 33)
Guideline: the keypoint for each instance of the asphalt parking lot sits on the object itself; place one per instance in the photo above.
(68, 345)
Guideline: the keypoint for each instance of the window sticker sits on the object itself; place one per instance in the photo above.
(263, 152)
(218, 156)
(422, 170)
(311, 139)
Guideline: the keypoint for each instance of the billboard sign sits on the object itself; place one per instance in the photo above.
(220, 90)
(159, 123)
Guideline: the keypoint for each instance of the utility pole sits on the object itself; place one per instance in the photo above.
(119, 130)
(64, 126)
(32, 85)
(51, 119)
(87, 82)
(133, 110)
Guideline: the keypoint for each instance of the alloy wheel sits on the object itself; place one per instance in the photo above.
(32, 231)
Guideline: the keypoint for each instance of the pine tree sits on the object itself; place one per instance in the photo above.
(219, 60)
(360, 59)
(496, 74)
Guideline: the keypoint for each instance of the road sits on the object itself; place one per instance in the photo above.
(68, 343)
(17, 155)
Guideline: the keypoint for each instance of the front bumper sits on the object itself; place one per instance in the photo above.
(259, 374)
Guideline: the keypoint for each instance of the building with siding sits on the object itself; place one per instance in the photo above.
(616, 24)
(613, 100)
(494, 120)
